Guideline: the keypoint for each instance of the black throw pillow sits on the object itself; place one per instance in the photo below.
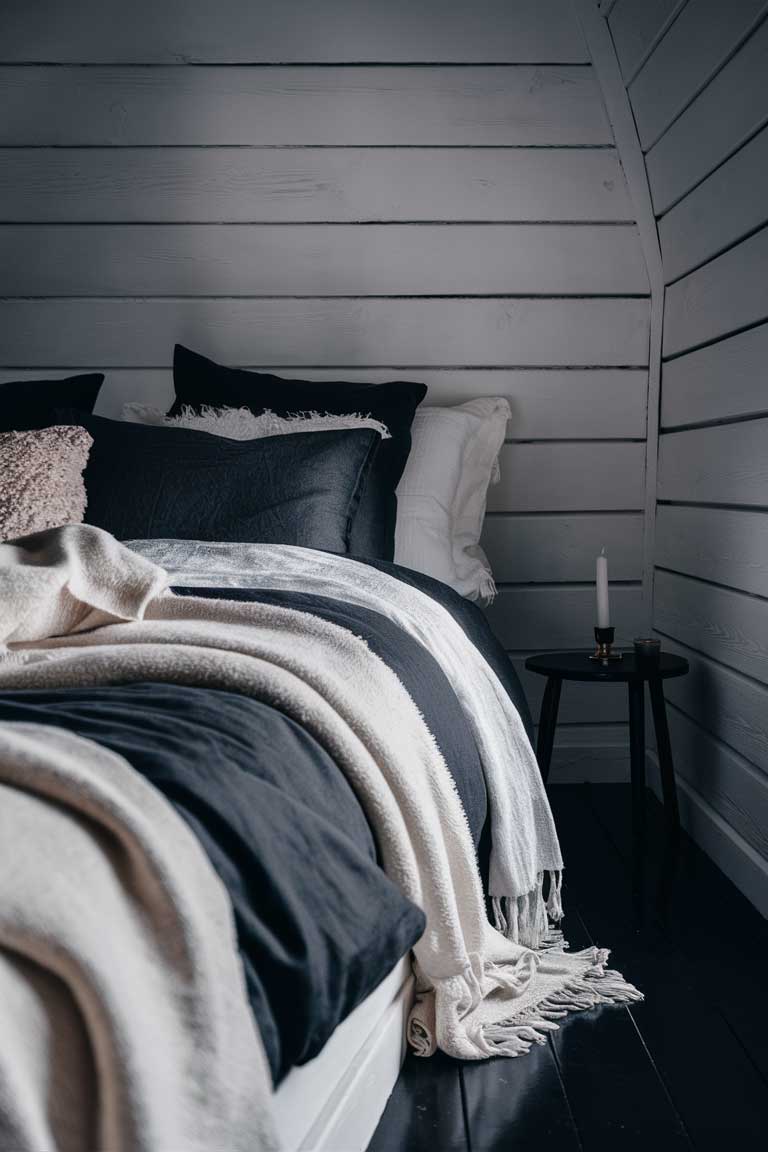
(199, 381)
(304, 488)
(29, 404)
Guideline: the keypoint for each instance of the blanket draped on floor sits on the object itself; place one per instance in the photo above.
(480, 992)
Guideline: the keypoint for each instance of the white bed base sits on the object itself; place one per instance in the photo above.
(333, 1103)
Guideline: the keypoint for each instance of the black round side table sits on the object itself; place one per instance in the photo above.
(559, 666)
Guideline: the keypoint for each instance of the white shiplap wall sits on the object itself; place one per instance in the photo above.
(369, 189)
(696, 79)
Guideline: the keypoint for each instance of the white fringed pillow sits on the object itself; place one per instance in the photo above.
(442, 495)
(41, 479)
(242, 424)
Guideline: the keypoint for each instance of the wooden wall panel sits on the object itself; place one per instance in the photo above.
(569, 477)
(533, 549)
(701, 104)
(182, 31)
(729, 626)
(734, 788)
(725, 115)
(354, 189)
(289, 106)
(533, 619)
(697, 44)
(319, 260)
(636, 28)
(731, 707)
(547, 404)
(697, 229)
(717, 544)
(724, 381)
(729, 293)
(293, 185)
(724, 464)
(431, 332)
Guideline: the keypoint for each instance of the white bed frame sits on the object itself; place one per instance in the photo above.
(333, 1103)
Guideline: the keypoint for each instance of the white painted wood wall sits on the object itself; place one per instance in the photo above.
(364, 188)
(695, 74)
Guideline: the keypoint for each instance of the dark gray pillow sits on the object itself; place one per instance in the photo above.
(200, 381)
(29, 404)
(304, 488)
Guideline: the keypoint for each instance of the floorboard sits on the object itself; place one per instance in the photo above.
(681, 1070)
(524, 1096)
(705, 916)
(425, 1113)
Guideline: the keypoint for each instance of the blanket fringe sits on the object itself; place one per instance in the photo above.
(596, 985)
(530, 919)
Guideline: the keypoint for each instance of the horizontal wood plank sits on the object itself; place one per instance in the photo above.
(276, 185)
(134, 333)
(729, 293)
(697, 44)
(534, 619)
(723, 464)
(731, 707)
(547, 404)
(181, 31)
(732, 106)
(299, 106)
(730, 784)
(728, 626)
(720, 382)
(562, 548)
(717, 544)
(320, 259)
(736, 859)
(569, 477)
(635, 26)
(698, 228)
(579, 703)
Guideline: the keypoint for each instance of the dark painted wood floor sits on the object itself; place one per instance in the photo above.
(682, 1070)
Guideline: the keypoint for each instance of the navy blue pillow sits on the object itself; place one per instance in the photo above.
(29, 404)
(303, 488)
(200, 381)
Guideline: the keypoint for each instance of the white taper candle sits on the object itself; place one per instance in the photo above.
(603, 613)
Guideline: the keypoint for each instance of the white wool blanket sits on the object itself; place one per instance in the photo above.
(524, 842)
(480, 993)
(124, 1021)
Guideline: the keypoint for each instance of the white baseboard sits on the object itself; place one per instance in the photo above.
(743, 866)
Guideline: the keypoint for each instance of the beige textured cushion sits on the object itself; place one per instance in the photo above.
(41, 479)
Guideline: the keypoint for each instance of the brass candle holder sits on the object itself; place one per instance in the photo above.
(604, 651)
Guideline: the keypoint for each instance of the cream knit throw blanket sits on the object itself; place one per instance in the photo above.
(124, 1021)
(479, 993)
(524, 843)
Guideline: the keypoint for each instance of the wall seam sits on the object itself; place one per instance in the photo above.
(602, 50)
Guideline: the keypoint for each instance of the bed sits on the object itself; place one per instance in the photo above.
(316, 764)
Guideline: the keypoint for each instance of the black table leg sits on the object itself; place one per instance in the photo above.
(547, 722)
(664, 749)
(637, 754)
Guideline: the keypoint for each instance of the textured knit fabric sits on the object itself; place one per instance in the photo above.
(41, 479)
(242, 424)
(124, 1023)
(523, 838)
